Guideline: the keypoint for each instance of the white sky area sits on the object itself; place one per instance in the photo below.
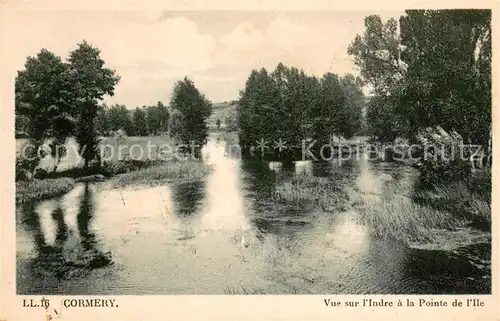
(217, 49)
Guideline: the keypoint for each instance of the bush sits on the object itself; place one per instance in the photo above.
(23, 167)
(41, 173)
(441, 156)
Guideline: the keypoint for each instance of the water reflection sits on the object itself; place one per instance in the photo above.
(61, 227)
(187, 198)
(84, 218)
(228, 230)
(61, 251)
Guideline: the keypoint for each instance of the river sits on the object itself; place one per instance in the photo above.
(225, 235)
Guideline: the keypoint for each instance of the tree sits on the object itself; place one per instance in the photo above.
(91, 81)
(352, 109)
(163, 117)
(377, 52)
(431, 70)
(42, 93)
(157, 118)
(102, 120)
(119, 119)
(457, 44)
(325, 113)
(192, 110)
(290, 106)
(139, 120)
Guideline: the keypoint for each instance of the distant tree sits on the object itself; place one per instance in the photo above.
(102, 120)
(139, 120)
(192, 109)
(163, 116)
(120, 119)
(91, 81)
(257, 102)
(157, 118)
(326, 112)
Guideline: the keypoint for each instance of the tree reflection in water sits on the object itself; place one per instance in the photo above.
(70, 255)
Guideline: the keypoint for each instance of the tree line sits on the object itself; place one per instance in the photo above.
(56, 100)
(289, 106)
(142, 121)
(431, 68)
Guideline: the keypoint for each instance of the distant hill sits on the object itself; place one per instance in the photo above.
(220, 111)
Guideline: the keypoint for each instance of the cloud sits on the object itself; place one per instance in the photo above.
(151, 51)
(139, 46)
(176, 45)
(313, 49)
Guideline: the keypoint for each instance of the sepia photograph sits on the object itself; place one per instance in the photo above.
(165, 152)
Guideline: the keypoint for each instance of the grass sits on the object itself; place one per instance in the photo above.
(464, 199)
(437, 214)
(455, 207)
(27, 191)
(305, 190)
(400, 218)
(166, 172)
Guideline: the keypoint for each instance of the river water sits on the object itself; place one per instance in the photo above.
(225, 235)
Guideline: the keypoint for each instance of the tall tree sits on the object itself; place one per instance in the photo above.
(192, 111)
(163, 117)
(448, 53)
(91, 81)
(378, 54)
(433, 69)
(288, 107)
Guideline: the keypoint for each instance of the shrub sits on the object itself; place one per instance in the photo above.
(41, 173)
(23, 167)
(441, 156)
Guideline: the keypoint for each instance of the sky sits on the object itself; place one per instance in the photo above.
(151, 50)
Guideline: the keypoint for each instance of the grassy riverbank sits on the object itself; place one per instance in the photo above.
(134, 160)
(458, 212)
(35, 190)
(158, 174)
